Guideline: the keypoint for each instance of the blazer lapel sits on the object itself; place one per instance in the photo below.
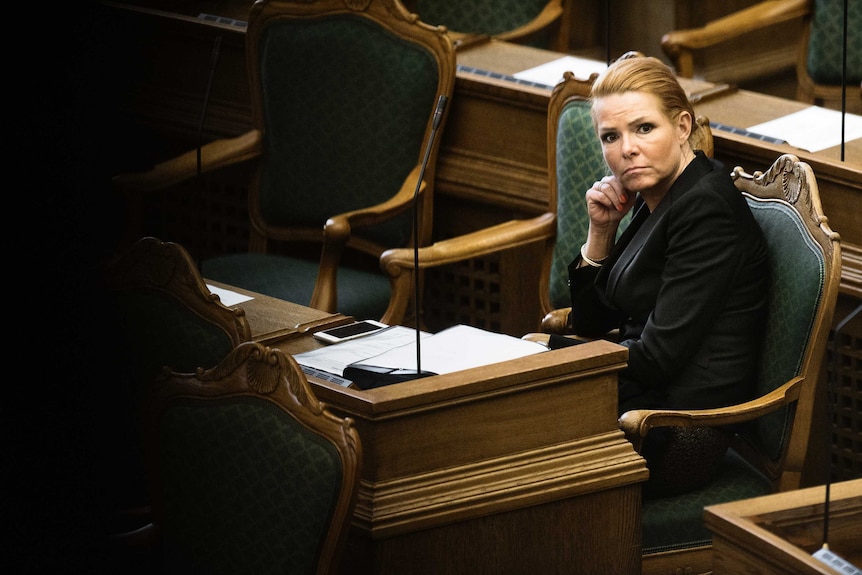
(621, 256)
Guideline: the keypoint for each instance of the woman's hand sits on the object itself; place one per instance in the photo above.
(607, 203)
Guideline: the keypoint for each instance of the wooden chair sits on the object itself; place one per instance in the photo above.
(249, 472)
(575, 161)
(157, 311)
(343, 96)
(768, 455)
(818, 53)
(536, 23)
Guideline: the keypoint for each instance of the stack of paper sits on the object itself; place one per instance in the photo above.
(453, 349)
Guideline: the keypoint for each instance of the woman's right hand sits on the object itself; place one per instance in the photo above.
(608, 202)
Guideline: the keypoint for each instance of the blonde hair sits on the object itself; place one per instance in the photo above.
(634, 72)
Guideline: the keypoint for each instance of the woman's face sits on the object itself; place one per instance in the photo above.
(644, 149)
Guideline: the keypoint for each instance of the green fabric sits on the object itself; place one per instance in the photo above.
(361, 294)
(672, 523)
(247, 489)
(826, 44)
(160, 331)
(150, 329)
(347, 135)
(485, 16)
(796, 278)
(479, 16)
(579, 163)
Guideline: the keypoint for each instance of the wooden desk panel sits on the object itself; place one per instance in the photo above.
(779, 533)
(490, 470)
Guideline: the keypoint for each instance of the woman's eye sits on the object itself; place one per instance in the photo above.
(609, 138)
(645, 128)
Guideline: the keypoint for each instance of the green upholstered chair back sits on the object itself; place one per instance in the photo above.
(163, 332)
(797, 275)
(345, 105)
(491, 17)
(157, 312)
(824, 60)
(250, 473)
(805, 271)
(579, 163)
(165, 315)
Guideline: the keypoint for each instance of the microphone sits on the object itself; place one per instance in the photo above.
(367, 376)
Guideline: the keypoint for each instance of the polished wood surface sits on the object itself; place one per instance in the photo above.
(272, 319)
(489, 470)
(779, 533)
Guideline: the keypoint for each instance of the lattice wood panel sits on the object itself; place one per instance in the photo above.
(208, 216)
(465, 293)
(844, 358)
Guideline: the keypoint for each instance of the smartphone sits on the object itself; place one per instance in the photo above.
(349, 331)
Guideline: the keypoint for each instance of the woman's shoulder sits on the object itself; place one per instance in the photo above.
(710, 182)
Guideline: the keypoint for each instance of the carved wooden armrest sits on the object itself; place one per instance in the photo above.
(214, 155)
(679, 44)
(398, 263)
(556, 321)
(552, 12)
(637, 423)
(338, 231)
(508, 235)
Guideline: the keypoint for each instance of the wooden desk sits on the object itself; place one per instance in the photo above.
(779, 533)
(518, 467)
(272, 319)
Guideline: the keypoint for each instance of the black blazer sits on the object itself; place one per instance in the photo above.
(686, 287)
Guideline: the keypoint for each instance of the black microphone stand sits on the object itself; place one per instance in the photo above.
(824, 554)
(367, 376)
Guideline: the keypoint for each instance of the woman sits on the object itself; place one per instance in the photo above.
(685, 283)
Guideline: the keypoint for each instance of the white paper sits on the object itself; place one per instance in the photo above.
(453, 349)
(227, 297)
(334, 358)
(551, 74)
(812, 129)
(458, 348)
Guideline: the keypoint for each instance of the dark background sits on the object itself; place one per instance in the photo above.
(65, 144)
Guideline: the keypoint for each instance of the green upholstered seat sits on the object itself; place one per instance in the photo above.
(819, 47)
(672, 523)
(250, 473)
(161, 331)
(362, 293)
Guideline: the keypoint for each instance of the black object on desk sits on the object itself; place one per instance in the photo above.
(365, 376)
